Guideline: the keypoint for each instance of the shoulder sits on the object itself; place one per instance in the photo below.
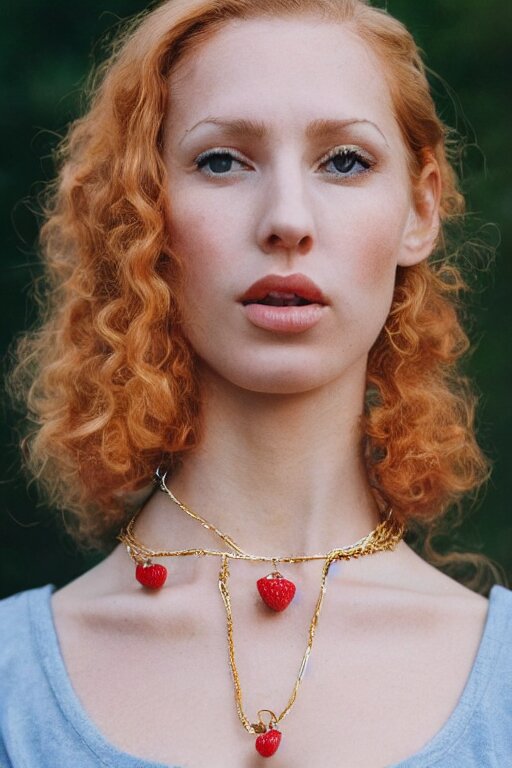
(500, 620)
(24, 689)
(493, 668)
(492, 713)
(20, 618)
(34, 692)
(16, 614)
(502, 598)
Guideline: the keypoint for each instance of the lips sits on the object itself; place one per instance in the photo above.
(289, 290)
(291, 304)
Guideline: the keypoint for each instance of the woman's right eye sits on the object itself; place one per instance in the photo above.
(218, 163)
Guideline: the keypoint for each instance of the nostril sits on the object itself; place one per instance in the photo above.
(305, 243)
(301, 245)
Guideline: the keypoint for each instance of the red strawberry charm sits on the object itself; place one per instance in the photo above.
(276, 591)
(267, 743)
(151, 576)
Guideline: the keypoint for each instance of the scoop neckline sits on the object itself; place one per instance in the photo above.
(42, 620)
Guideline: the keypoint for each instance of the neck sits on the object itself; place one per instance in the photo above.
(279, 474)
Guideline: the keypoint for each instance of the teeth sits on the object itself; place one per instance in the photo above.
(281, 295)
(279, 299)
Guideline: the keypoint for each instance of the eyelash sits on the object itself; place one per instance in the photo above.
(203, 158)
(349, 152)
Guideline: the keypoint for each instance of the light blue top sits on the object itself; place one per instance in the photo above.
(43, 724)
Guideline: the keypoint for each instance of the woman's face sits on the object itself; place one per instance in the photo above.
(284, 157)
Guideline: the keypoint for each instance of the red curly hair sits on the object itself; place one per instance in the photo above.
(110, 380)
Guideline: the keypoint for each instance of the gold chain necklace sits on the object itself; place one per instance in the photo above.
(276, 591)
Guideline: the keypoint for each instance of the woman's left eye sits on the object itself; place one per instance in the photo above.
(347, 162)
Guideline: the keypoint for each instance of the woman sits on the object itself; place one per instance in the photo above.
(243, 300)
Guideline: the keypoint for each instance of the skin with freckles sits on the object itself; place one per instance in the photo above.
(274, 202)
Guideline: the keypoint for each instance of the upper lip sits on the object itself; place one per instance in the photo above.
(297, 283)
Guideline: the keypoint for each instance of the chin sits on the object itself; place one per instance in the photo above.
(284, 385)
(286, 378)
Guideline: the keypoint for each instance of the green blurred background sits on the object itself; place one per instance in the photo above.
(48, 49)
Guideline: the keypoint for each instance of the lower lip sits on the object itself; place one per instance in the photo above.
(284, 319)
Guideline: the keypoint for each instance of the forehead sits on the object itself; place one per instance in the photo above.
(276, 69)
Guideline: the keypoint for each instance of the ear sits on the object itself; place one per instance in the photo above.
(423, 224)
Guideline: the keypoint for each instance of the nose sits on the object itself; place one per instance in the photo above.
(286, 224)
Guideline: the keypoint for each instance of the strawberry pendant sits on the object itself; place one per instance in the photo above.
(276, 591)
(151, 576)
(267, 743)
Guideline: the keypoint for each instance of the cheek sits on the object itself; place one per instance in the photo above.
(193, 237)
(208, 236)
(200, 234)
(377, 263)
(368, 242)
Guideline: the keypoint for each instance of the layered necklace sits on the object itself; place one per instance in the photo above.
(276, 591)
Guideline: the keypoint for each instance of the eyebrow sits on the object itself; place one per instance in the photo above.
(317, 129)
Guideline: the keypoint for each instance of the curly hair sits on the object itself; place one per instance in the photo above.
(109, 378)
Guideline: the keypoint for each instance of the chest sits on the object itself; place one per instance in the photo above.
(379, 683)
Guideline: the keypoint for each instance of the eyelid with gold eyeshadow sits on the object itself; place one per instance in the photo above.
(364, 157)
